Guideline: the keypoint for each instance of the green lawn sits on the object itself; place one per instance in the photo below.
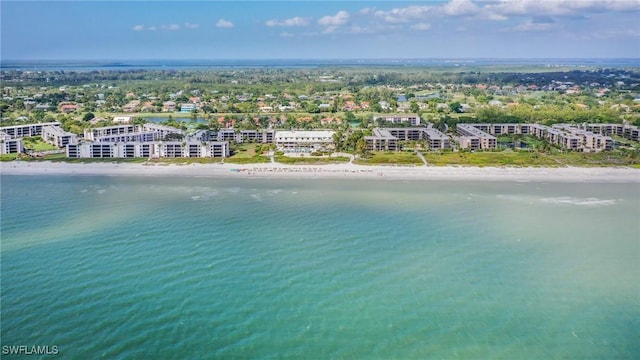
(37, 144)
(390, 158)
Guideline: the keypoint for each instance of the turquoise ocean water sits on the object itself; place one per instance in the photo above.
(179, 268)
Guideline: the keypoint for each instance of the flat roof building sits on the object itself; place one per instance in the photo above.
(169, 149)
(26, 130)
(412, 119)
(129, 132)
(386, 139)
(9, 145)
(475, 139)
(303, 140)
(381, 140)
(56, 136)
(437, 140)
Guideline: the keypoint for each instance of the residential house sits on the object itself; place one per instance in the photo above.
(187, 108)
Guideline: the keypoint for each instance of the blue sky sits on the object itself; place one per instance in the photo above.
(134, 30)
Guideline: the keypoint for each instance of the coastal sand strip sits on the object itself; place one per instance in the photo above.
(329, 171)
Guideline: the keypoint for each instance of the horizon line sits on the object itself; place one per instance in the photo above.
(331, 58)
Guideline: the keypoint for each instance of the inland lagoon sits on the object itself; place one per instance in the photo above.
(191, 268)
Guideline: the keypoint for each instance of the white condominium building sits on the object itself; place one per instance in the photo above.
(129, 132)
(381, 140)
(304, 141)
(26, 130)
(9, 145)
(171, 149)
(56, 136)
(386, 139)
(242, 136)
(412, 119)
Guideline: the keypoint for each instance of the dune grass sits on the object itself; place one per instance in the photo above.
(390, 158)
(525, 159)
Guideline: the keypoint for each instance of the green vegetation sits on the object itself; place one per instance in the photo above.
(310, 160)
(390, 158)
(37, 144)
(248, 154)
(525, 158)
(8, 157)
(612, 158)
(504, 158)
(341, 98)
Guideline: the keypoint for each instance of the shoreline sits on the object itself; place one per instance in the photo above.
(327, 171)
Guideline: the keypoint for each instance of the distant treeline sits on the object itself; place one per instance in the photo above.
(342, 76)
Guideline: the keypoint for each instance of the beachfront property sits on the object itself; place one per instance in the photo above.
(386, 139)
(56, 136)
(630, 132)
(26, 130)
(304, 141)
(241, 136)
(437, 140)
(132, 141)
(556, 136)
(412, 119)
(381, 140)
(170, 149)
(587, 140)
(97, 133)
(473, 138)
(9, 145)
(566, 136)
(11, 136)
(128, 132)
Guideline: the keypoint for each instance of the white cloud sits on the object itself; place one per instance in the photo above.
(341, 18)
(460, 8)
(504, 9)
(138, 28)
(170, 27)
(421, 26)
(286, 34)
(152, 28)
(559, 7)
(294, 21)
(189, 25)
(403, 15)
(222, 23)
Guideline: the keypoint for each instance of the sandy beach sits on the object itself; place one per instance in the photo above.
(330, 171)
